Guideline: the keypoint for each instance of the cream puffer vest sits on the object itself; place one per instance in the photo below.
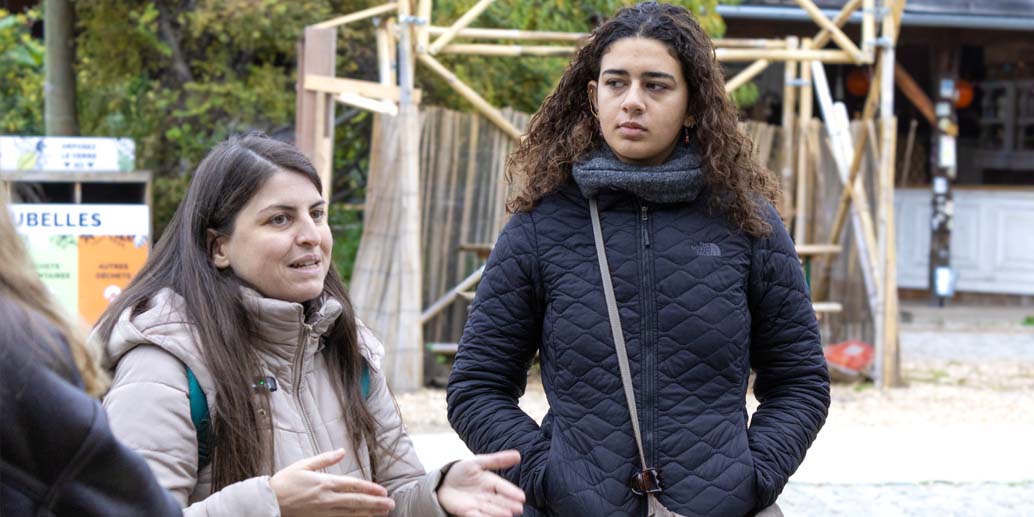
(149, 407)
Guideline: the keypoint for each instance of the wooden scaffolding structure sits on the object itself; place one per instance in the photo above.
(405, 35)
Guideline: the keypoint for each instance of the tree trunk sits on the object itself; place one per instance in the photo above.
(59, 88)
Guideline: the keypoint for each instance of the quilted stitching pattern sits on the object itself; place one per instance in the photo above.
(700, 306)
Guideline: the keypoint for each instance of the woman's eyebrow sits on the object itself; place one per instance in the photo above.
(648, 75)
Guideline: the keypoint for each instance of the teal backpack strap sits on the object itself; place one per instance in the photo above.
(202, 422)
(364, 380)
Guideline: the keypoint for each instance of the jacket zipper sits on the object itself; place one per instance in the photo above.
(298, 375)
(648, 352)
(646, 235)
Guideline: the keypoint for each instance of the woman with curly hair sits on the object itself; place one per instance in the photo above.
(647, 266)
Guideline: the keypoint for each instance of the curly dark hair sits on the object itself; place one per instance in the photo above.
(564, 129)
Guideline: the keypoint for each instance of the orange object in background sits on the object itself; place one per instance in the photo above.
(858, 82)
(106, 265)
(850, 359)
(963, 94)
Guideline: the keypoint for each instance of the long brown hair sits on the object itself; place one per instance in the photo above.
(224, 182)
(564, 130)
(23, 294)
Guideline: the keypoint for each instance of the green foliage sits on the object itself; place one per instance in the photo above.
(179, 76)
(21, 74)
(523, 83)
(1029, 321)
(745, 96)
(347, 226)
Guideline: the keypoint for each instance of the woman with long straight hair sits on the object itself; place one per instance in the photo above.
(58, 456)
(241, 300)
(646, 265)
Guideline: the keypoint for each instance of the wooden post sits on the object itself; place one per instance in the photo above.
(789, 108)
(803, 172)
(317, 51)
(405, 369)
(888, 352)
(869, 27)
(423, 37)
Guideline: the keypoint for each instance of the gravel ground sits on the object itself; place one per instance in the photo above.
(958, 380)
(941, 499)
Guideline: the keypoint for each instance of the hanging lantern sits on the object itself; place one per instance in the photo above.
(963, 94)
(858, 82)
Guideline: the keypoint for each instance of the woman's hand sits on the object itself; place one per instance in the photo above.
(302, 490)
(470, 488)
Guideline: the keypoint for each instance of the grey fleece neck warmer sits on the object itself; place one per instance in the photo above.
(678, 180)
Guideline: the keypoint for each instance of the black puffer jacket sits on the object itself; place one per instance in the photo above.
(701, 304)
(58, 454)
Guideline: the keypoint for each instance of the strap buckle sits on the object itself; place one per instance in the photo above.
(647, 481)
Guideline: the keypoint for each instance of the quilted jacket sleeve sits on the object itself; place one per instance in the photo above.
(792, 382)
(490, 371)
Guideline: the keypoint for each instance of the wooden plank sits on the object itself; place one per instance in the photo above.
(485, 49)
(339, 85)
(817, 249)
(356, 16)
(509, 34)
(443, 302)
(803, 54)
(827, 306)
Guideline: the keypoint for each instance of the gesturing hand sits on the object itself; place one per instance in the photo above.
(470, 489)
(302, 490)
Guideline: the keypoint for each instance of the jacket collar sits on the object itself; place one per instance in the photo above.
(281, 324)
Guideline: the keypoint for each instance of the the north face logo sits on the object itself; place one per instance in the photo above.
(707, 249)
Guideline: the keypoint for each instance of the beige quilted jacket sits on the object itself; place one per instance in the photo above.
(149, 409)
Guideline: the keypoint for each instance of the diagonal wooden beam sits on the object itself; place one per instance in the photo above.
(838, 35)
(356, 16)
(822, 37)
(464, 21)
(746, 75)
(472, 96)
(914, 93)
(849, 193)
